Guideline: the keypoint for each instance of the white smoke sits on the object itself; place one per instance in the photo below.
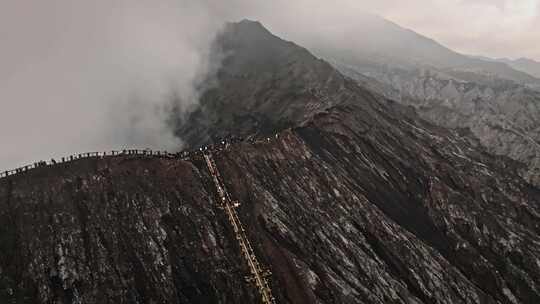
(81, 76)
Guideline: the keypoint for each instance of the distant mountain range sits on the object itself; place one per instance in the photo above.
(375, 40)
(529, 66)
(496, 98)
(526, 65)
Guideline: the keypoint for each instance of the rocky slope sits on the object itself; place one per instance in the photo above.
(356, 200)
(503, 115)
(498, 100)
(526, 65)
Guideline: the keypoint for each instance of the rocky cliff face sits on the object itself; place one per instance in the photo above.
(498, 100)
(503, 115)
(355, 200)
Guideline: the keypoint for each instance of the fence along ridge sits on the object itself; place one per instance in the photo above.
(78, 156)
(223, 143)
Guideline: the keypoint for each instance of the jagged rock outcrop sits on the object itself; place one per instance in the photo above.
(356, 200)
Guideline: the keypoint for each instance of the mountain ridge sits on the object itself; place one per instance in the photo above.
(373, 39)
(526, 65)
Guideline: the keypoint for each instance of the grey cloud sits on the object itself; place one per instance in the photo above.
(96, 75)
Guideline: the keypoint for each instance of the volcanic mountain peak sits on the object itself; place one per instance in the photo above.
(265, 84)
(248, 25)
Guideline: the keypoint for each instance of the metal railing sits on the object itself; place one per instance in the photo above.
(79, 156)
(221, 144)
(258, 275)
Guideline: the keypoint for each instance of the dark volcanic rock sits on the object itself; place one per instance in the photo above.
(503, 115)
(265, 84)
(356, 200)
(116, 231)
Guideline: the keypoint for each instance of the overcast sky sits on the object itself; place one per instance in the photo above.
(79, 75)
(82, 76)
(496, 28)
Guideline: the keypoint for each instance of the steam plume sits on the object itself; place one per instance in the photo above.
(96, 75)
